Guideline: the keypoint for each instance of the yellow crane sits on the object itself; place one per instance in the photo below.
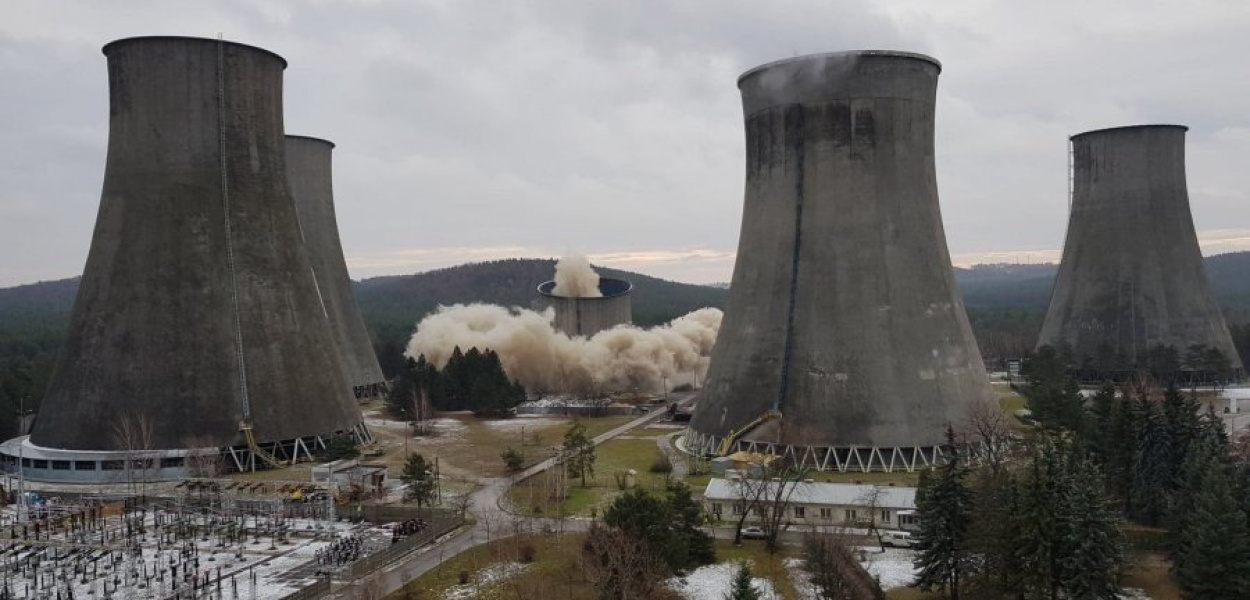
(727, 443)
(256, 450)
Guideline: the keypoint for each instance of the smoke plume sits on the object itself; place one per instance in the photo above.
(545, 360)
(575, 279)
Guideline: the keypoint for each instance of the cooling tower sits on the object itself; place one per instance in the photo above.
(308, 168)
(1132, 276)
(588, 316)
(197, 310)
(845, 344)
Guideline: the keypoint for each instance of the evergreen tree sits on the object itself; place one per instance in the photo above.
(420, 478)
(1042, 532)
(1095, 554)
(687, 516)
(993, 537)
(1152, 464)
(579, 452)
(741, 588)
(944, 506)
(1216, 562)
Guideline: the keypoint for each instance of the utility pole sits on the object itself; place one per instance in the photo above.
(21, 460)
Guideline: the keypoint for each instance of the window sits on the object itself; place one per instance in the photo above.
(60, 465)
(800, 512)
(716, 508)
(143, 463)
(826, 513)
(850, 515)
(112, 465)
(26, 463)
(908, 520)
(885, 516)
(738, 509)
(760, 510)
(84, 465)
(39, 464)
(172, 462)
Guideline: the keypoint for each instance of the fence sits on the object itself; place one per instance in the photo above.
(438, 522)
(437, 526)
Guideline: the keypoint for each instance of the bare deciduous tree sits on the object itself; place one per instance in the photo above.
(621, 566)
(133, 434)
(988, 434)
(829, 559)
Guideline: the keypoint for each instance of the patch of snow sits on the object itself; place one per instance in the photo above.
(894, 568)
(516, 424)
(1133, 594)
(712, 582)
(560, 401)
(494, 574)
(801, 579)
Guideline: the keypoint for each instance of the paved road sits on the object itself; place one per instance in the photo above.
(680, 466)
(492, 522)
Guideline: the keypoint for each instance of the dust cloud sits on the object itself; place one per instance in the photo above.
(546, 360)
(575, 279)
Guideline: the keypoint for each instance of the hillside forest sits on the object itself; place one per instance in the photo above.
(1005, 304)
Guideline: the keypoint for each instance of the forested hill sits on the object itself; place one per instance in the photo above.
(391, 306)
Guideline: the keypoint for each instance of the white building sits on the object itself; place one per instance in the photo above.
(812, 503)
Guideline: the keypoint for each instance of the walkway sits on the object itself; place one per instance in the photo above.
(492, 522)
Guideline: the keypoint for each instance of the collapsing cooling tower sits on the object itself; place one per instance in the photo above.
(586, 316)
(1132, 276)
(308, 167)
(197, 312)
(845, 344)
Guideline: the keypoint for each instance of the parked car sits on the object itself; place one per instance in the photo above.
(753, 533)
(897, 539)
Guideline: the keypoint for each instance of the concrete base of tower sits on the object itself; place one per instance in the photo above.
(55, 465)
(843, 459)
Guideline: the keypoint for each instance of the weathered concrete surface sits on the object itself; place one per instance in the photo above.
(308, 169)
(1132, 275)
(843, 311)
(154, 325)
(588, 316)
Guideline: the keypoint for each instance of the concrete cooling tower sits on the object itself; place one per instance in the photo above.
(1132, 276)
(197, 323)
(589, 315)
(308, 167)
(845, 345)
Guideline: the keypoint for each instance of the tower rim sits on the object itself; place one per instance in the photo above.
(824, 55)
(109, 47)
(1129, 128)
(311, 139)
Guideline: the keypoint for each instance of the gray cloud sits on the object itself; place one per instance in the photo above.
(473, 129)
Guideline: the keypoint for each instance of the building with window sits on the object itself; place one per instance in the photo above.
(813, 503)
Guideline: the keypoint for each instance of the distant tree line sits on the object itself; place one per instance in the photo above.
(473, 380)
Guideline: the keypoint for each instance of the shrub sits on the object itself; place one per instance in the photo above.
(662, 464)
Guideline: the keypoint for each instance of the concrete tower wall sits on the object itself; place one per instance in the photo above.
(308, 167)
(197, 298)
(843, 313)
(588, 316)
(1132, 275)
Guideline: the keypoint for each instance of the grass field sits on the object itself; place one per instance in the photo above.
(612, 458)
(555, 572)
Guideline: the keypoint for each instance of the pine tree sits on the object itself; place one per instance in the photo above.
(944, 505)
(1039, 527)
(687, 516)
(1095, 553)
(420, 478)
(1216, 562)
(1152, 464)
(579, 452)
(742, 589)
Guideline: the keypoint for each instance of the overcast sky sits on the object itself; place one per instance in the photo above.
(472, 130)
